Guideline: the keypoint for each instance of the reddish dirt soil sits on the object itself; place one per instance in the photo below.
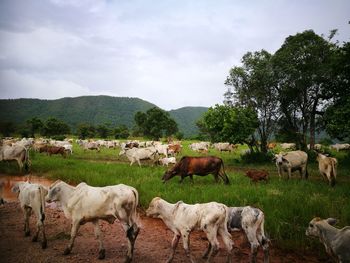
(152, 244)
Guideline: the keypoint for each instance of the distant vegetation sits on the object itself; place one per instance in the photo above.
(88, 110)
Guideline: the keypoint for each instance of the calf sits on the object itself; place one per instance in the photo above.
(327, 167)
(182, 219)
(174, 149)
(166, 161)
(336, 241)
(32, 198)
(85, 203)
(251, 221)
(257, 175)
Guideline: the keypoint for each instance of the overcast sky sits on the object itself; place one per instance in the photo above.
(173, 53)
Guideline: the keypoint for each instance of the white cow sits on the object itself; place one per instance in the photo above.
(90, 146)
(223, 146)
(137, 154)
(182, 219)
(288, 146)
(162, 149)
(327, 167)
(200, 146)
(251, 221)
(292, 161)
(85, 203)
(166, 161)
(15, 153)
(340, 146)
(336, 241)
(32, 198)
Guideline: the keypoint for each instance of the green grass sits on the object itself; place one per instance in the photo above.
(288, 205)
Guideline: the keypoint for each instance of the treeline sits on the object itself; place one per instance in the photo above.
(303, 88)
(153, 124)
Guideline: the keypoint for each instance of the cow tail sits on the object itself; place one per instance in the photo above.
(42, 204)
(333, 174)
(134, 216)
(222, 169)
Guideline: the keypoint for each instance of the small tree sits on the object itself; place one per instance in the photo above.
(102, 131)
(155, 123)
(34, 125)
(121, 132)
(86, 131)
(54, 126)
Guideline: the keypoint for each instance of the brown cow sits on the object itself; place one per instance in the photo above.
(174, 148)
(188, 166)
(53, 150)
(271, 145)
(257, 175)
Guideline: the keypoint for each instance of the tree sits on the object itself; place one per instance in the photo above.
(121, 132)
(255, 87)
(7, 128)
(86, 131)
(53, 126)
(231, 124)
(35, 125)
(302, 68)
(102, 131)
(155, 123)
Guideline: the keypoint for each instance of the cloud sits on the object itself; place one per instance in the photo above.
(172, 53)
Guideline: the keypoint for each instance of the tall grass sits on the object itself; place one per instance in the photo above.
(288, 204)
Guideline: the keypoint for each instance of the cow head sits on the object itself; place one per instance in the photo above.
(169, 174)
(54, 192)
(122, 152)
(313, 228)
(279, 158)
(153, 208)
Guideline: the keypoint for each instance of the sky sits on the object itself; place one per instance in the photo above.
(173, 53)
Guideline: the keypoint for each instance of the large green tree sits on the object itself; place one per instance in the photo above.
(231, 124)
(53, 126)
(302, 68)
(155, 123)
(35, 125)
(254, 86)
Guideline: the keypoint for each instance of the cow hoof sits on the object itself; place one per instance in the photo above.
(66, 251)
(34, 239)
(44, 245)
(102, 254)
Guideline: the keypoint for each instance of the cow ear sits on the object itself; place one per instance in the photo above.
(284, 159)
(331, 221)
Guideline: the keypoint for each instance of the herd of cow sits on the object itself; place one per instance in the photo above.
(85, 203)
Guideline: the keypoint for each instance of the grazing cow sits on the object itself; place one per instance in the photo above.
(257, 175)
(251, 221)
(182, 219)
(292, 161)
(288, 146)
(15, 153)
(85, 203)
(174, 149)
(188, 166)
(137, 154)
(53, 150)
(223, 146)
(327, 167)
(317, 146)
(162, 149)
(336, 241)
(340, 146)
(166, 161)
(32, 198)
(200, 146)
(90, 146)
(131, 145)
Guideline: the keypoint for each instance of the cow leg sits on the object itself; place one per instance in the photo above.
(289, 173)
(131, 234)
(206, 253)
(98, 235)
(73, 234)
(212, 232)
(174, 244)
(27, 211)
(182, 178)
(254, 243)
(138, 161)
(226, 238)
(186, 244)
(191, 177)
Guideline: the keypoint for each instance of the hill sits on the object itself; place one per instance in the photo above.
(90, 109)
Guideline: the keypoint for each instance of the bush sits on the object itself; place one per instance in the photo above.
(257, 157)
(58, 137)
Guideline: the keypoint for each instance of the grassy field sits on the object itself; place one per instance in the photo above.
(288, 205)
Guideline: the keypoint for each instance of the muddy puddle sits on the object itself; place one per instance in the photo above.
(10, 180)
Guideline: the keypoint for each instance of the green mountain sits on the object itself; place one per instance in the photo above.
(186, 119)
(91, 109)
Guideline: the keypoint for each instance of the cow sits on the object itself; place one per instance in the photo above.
(271, 145)
(327, 167)
(174, 149)
(85, 203)
(166, 161)
(15, 153)
(137, 154)
(251, 221)
(223, 146)
(32, 198)
(336, 241)
(288, 146)
(200, 146)
(90, 146)
(257, 175)
(182, 219)
(53, 150)
(340, 146)
(188, 166)
(292, 161)
(162, 149)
